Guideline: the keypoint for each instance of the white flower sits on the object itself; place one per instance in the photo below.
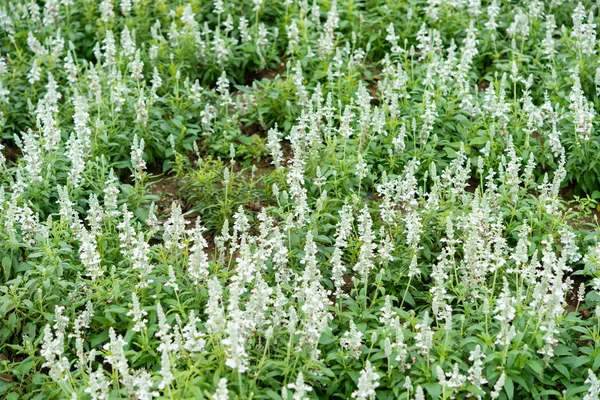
(198, 260)
(424, 336)
(106, 11)
(593, 392)
(141, 109)
(137, 160)
(137, 67)
(300, 388)
(142, 382)
(174, 228)
(194, 341)
(137, 313)
(111, 193)
(584, 33)
(216, 317)
(498, 386)
(352, 341)
(165, 370)
(505, 313)
(582, 109)
(236, 335)
(90, 258)
(570, 249)
(222, 392)
(367, 383)
(519, 26)
(362, 169)
(126, 7)
(274, 146)
(53, 347)
(476, 376)
(366, 256)
(98, 385)
(116, 357)
(128, 42)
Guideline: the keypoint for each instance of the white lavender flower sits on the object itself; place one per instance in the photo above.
(584, 34)
(166, 372)
(106, 11)
(174, 228)
(137, 160)
(274, 146)
(476, 376)
(498, 386)
(570, 249)
(419, 395)
(362, 169)
(351, 342)
(141, 109)
(53, 347)
(236, 335)
(142, 384)
(111, 193)
(109, 46)
(137, 67)
(582, 109)
(88, 253)
(98, 385)
(126, 7)
(424, 336)
(66, 211)
(222, 393)
(455, 378)
(34, 74)
(193, 339)
(128, 42)
(593, 392)
(300, 388)
(520, 25)
(367, 383)
(365, 262)
(198, 259)
(138, 314)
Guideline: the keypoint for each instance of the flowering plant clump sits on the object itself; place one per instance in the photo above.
(296, 200)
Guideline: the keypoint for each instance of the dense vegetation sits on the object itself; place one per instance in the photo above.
(293, 199)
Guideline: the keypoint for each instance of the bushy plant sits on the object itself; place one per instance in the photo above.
(369, 199)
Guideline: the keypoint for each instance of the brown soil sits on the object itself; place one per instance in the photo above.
(472, 185)
(253, 129)
(572, 301)
(269, 74)
(167, 189)
(11, 152)
(483, 85)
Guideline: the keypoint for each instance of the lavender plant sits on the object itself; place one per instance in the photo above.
(295, 200)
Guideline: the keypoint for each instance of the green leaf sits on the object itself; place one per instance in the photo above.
(98, 339)
(273, 395)
(563, 370)
(521, 382)
(550, 392)
(434, 389)
(479, 140)
(596, 365)
(6, 263)
(575, 362)
(536, 367)
(450, 151)
(509, 387)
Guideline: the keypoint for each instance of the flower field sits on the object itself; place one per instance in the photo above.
(294, 199)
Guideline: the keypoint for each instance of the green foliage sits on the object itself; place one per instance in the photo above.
(292, 199)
